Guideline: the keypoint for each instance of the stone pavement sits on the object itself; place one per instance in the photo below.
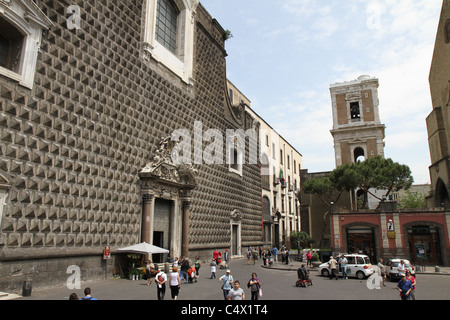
(137, 290)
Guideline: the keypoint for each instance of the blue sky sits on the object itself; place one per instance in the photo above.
(284, 55)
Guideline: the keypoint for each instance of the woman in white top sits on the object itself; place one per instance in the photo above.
(174, 283)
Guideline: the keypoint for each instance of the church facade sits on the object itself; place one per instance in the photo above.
(91, 95)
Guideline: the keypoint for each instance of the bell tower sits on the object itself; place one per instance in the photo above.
(357, 131)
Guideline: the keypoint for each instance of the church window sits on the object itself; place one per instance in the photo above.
(169, 35)
(166, 24)
(11, 42)
(21, 25)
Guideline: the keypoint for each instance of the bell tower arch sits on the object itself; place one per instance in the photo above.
(357, 131)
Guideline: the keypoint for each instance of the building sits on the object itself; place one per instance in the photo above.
(281, 164)
(357, 131)
(438, 122)
(384, 230)
(419, 235)
(94, 95)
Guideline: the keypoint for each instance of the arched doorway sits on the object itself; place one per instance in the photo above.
(359, 155)
(442, 196)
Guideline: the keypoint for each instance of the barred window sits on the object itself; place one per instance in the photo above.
(166, 24)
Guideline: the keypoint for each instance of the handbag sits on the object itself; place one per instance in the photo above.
(260, 293)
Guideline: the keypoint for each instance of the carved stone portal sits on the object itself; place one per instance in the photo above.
(161, 178)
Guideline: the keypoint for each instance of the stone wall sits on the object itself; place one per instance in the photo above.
(71, 148)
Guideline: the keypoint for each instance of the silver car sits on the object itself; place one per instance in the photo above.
(392, 268)
(358, 266)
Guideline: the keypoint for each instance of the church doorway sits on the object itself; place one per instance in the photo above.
(162, 222)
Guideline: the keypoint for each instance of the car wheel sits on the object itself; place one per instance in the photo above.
(325, 273)
(360, 275)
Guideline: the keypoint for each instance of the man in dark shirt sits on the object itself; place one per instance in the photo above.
(405, 287)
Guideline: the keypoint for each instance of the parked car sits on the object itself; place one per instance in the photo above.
(358, 266)
(392, 268)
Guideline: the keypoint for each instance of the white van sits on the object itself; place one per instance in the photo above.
(358, 266)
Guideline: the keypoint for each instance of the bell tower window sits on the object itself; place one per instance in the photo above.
(355, 111)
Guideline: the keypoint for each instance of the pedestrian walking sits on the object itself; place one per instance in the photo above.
(343, 264)
(309, 258)
(255, 287)
(255, 257)
(236, 293)
(401, 268)
(226, 257)
(382, 268)
(184, 269)
(249, 254)
(213, 265)
(197, 265)
(175, 262)
(332, 267)
(405, 287)
(149, 271)
(227, 280)
(286, 255)
(175, 283)
(413, 282)
(274, 253)
(161, 279)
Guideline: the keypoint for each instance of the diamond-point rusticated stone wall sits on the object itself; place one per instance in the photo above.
(72, 147)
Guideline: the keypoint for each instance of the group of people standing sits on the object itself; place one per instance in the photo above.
(181, 269)
(232, 288)
(407, 285)
(268, 255)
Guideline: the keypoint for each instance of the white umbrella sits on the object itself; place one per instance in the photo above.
(143, 248)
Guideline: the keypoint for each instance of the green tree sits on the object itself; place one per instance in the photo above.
(383, 174)
(329, 189)
(412, 200)
(301, 237)
(377, 172)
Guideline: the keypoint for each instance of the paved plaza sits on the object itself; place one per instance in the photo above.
(278, 283)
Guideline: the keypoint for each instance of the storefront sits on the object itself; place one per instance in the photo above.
(419, 236)
(425, 245)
